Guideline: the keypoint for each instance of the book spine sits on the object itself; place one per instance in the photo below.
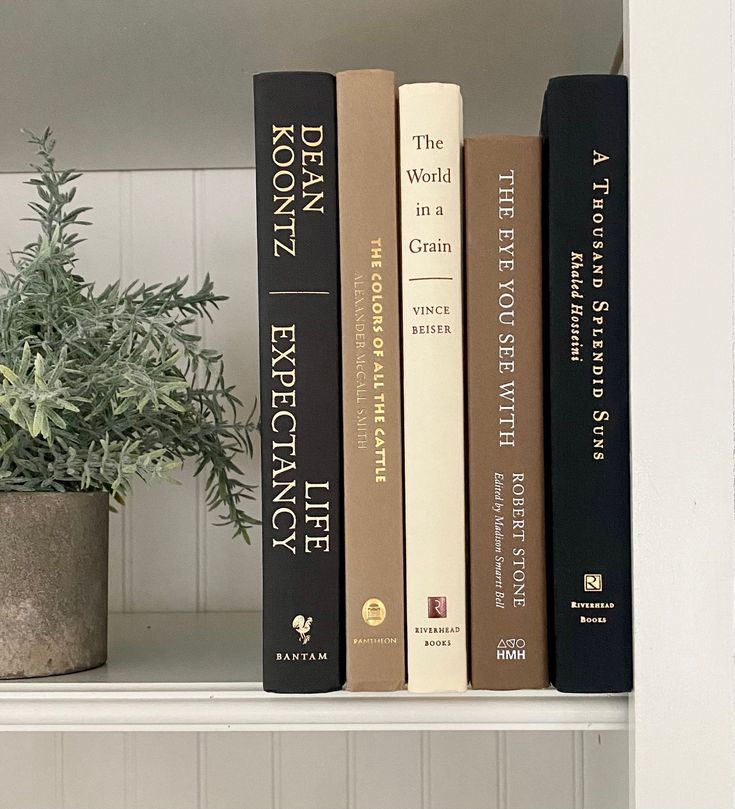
(508, 629)
(298, 272)
(433, 386)
(585, 131)
(371, 380)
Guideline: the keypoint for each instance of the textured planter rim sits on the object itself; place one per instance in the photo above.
(34, 493)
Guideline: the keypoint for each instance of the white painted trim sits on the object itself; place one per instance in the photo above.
(683, 708)
(212, 707)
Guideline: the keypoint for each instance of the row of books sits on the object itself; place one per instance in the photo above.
(444, 388)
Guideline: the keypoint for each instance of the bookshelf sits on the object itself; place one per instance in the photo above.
(200, 671)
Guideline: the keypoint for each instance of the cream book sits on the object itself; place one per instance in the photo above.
(433, 385)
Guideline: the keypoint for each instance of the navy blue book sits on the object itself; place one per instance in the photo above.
(300, 372)
(585, 137)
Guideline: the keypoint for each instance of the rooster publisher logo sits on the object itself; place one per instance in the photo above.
(437, 606)
(302, 626)
(593, 582)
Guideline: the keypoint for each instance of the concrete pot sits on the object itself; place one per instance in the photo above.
(53, 582)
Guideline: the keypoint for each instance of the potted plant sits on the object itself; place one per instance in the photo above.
(98, 388)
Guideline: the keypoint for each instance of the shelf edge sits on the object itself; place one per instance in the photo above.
(257, 711)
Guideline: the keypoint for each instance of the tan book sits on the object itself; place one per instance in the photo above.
(371, 380)
(508, 633)
(433, 385)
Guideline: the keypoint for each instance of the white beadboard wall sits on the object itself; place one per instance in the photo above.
(167, 556)
(156, 226)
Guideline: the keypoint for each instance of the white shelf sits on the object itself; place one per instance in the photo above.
(186, 671)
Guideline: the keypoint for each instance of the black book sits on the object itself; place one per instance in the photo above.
(585, 134)
(298, 276)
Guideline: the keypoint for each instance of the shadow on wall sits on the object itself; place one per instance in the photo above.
(147, 89)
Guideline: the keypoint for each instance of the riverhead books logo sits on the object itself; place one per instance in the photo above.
(437, 606)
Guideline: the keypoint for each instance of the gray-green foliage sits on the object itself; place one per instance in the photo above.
(98, 388)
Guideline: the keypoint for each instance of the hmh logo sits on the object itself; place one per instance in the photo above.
(511, 649)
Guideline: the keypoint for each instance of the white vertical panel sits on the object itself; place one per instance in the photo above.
(99, 261)
(116, 584)
(30, 771)
(164, 552)
(578, 784)
(681, 195)
(605, 770)
(237, 769)
(164, 517)
(463, 764)
(124, 553)
(387, 770)
(198, 274)
(99, 255)
(225, 211)
(94, 766)
(312, 770)
(164, 771)
(14, 199)
(540, 768)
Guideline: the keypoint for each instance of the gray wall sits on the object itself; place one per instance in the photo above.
(167, 84)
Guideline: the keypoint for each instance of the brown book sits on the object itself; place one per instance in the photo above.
(371, 380)
(508, 635)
